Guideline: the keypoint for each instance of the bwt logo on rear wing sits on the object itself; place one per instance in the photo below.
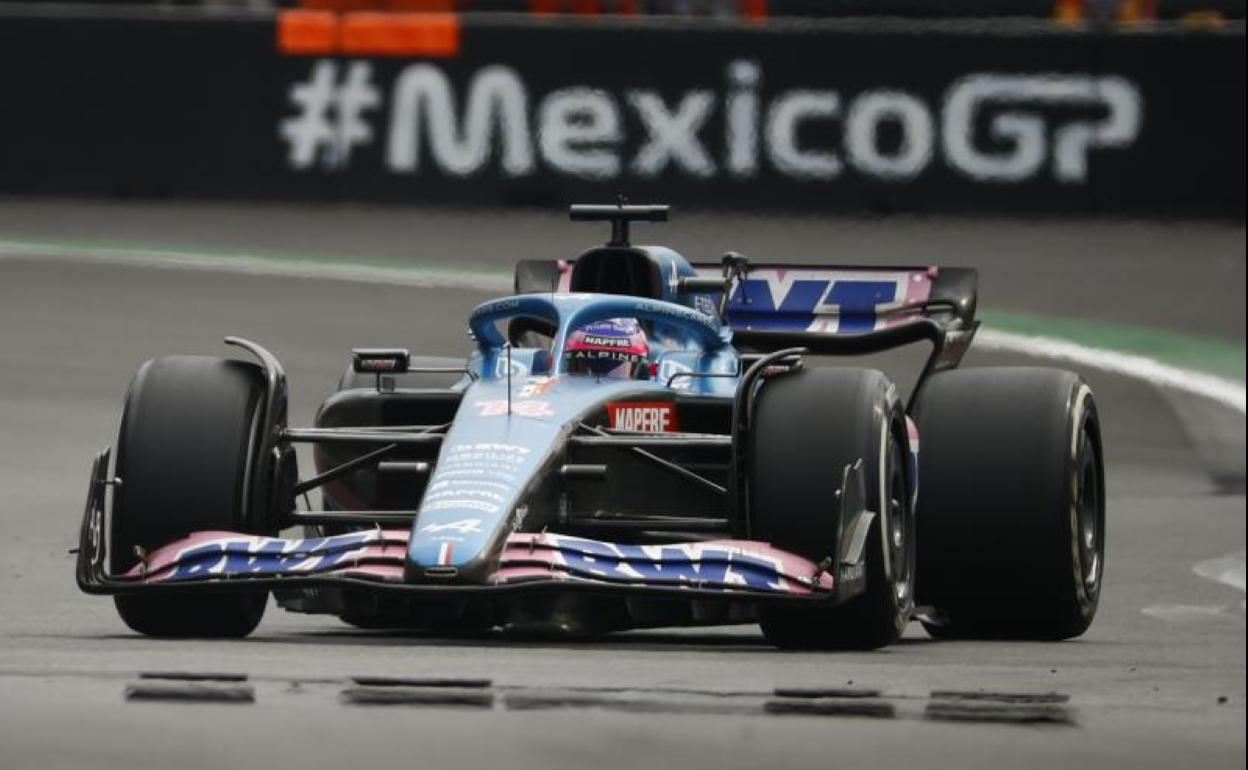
(842, 300)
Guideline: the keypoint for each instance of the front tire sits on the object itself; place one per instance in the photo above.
(1012, 532)
(807, 426)
(184, 455)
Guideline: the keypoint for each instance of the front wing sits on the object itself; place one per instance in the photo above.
(374, 559)
(379, 555)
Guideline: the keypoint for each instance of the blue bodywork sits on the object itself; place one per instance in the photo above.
(518, 416)
(518, 412)
(521, 407)
(533, 491)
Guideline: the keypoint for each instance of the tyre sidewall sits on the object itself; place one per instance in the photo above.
(999, 548)
(805, 432)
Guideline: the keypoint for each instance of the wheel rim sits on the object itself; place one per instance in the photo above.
(898, 527)
(1088, 513)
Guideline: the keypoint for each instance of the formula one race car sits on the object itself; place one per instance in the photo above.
(635, 441)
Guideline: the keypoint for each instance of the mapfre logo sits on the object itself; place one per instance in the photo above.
(1001, 128)
(643, 416)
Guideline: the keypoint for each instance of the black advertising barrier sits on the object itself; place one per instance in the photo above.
(827, 116)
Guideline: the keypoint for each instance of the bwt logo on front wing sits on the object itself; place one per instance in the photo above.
(989, 127)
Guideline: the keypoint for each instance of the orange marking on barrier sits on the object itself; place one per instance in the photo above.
(1133, 11)
(1203, 19)
(544, 7)
(1068, 11)
(307, 32)
(339, 5)
(422, 6)
(400, 34)
(754, 10)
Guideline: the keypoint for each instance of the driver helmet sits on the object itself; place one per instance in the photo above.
(615, 348)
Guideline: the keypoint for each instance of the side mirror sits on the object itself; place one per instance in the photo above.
(380, 360)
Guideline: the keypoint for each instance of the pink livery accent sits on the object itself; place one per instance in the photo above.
(740, 565)
(374, 553)
(565, 276)
(724, 565)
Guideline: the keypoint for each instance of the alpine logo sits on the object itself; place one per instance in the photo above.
(643, 416)
(463, 527)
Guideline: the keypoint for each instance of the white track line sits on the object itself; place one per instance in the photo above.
(1224, 391)
(1225, 569)
(1187, 613)
(251, 264)
(1228, 570)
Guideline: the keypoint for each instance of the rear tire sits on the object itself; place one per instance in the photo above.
(188, 432)
(1012, 525)
(807, 427)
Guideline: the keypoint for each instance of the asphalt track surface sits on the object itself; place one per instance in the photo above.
(1158, 681)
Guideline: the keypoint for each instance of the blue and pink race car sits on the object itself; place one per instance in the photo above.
(634, 441)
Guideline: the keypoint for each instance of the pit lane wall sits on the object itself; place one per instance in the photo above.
(832, 116)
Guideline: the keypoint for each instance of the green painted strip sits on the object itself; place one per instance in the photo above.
(1205, 354)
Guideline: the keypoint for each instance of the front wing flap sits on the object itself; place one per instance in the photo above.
(376, 558)
(378, 555)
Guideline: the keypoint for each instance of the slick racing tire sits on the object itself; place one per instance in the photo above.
(1011, 529)
(806, 427)
(188, 433)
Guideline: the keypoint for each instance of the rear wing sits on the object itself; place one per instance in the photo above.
(842, 300)
(843, 310)
(838, 310)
